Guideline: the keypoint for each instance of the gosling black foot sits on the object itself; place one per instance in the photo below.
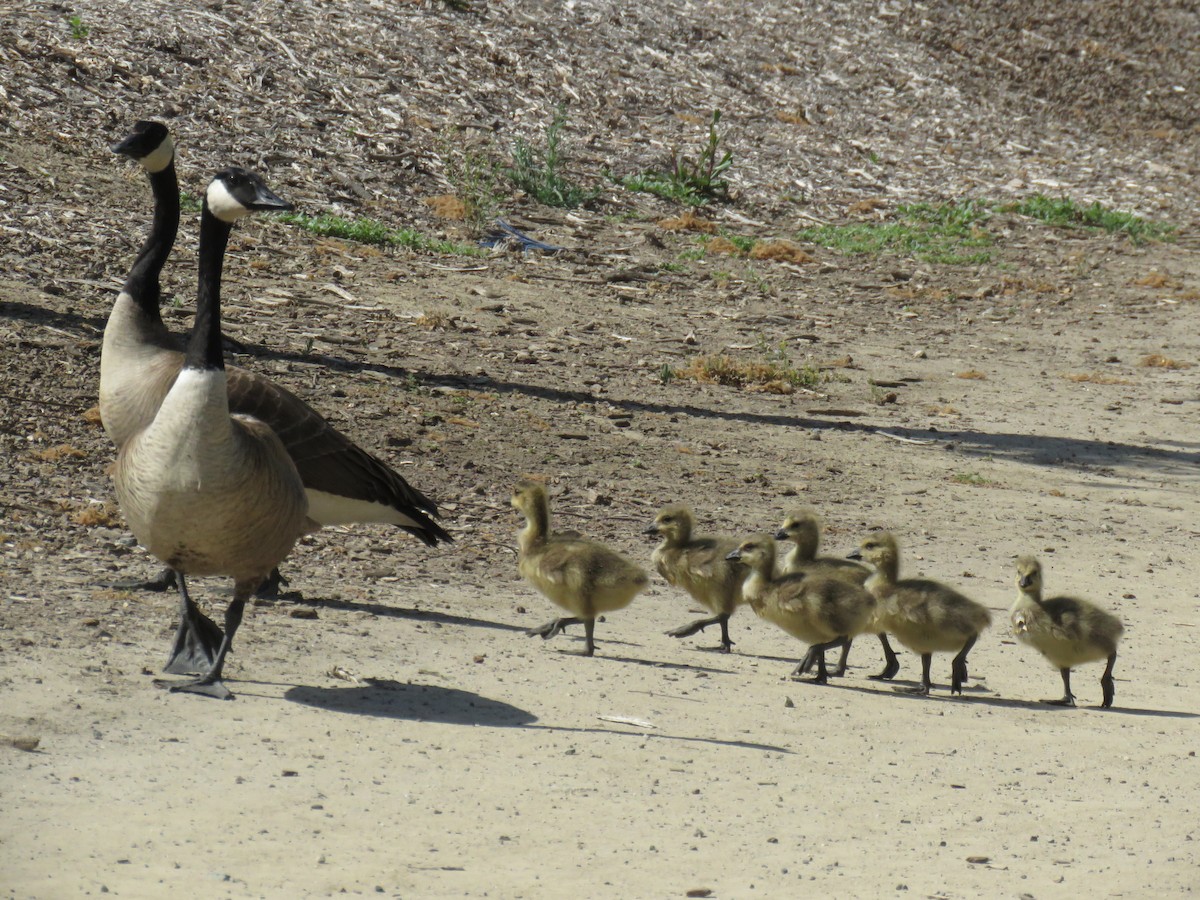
(699, 625)
(1061, 701)
(551, 628)
(891, 664)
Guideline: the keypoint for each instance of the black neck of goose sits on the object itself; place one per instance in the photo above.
(204, 345)
(142, 284)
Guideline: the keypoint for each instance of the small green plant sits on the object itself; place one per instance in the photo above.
(475, 180)
(971, 478)
(666, 374)
(538, 171)
(1062, 211)
(79, 31)
(693, 180)
(189, 203)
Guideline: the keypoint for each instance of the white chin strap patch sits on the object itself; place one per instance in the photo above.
(160, 157)
(223, 205)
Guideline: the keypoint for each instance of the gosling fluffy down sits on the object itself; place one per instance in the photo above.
(700, 565)
(1066, 630)
(925, 616)
(583, 577)
(823, 612)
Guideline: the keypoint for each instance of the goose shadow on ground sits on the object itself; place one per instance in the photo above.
(386, 698)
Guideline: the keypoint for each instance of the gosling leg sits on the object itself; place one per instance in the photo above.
(210, 684)
(1106, 682)
(926, 681)
(891, 664)
(197, 640)
(958, 669)
(700, 624)
(553, 627)
(589, 629)
(1068, 699)
(817, 653)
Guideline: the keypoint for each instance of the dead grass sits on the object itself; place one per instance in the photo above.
(689, 221)
(762, 376)
(971, 375)
(447, 206)
(1158, 361)
(61, 452)
(1095, 378)
(780, 251)
(97, 514)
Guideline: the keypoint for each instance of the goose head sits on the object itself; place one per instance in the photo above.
(673, 523)
(879, 550)
(149, 145)
(803, 528)
(529, 496)
(235, 192)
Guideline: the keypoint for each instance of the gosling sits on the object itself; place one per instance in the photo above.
(583, 577)
(803, 529)
(1066, 630)
(925, 616)
(824, 612)
(700, 566)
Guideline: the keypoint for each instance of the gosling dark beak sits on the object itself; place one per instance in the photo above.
(854, 555)
(1025, 581)
(734, 554)
(651, 529)
(781, 535)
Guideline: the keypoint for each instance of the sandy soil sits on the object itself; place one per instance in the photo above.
(396, 733)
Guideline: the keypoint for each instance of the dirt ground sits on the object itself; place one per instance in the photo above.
(395, 732)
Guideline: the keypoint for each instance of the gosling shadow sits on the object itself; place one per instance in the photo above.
(385, 698)
(401, 612)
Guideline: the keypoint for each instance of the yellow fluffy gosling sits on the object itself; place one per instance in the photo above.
(700, 566)
(803, 529)
(925, 616)
(584, 577)
(1065, 630)
(824, 612)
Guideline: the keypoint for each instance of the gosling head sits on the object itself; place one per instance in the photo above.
(803, 527)
(528, 495)
(878, 549)
(1029, 576)
(149, 145)
(673, 523)
(235, 192)
(757, 553)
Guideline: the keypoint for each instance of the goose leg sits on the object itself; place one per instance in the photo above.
(197, 639)
(269, 589)
(700, 624)
(1106, 682)
(891, 664)
(817, 653)
(1068, 699)
(164, 581)
(553, 627)
(589, 629)
(958, 669)
(210, 684)
(926, 681)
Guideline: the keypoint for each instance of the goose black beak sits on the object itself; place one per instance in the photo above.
(855, 555)
(651, 529)
(266, 200)
(781, 535)
(1024, 581)
(734, 554)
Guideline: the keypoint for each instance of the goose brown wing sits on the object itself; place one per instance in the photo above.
(326, 459)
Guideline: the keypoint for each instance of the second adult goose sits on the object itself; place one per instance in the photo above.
(803, 529)
(823, 612)
(925, 616)
(140, 360)
(584, 577)
(1066, 630)
(700, 565)
(206, 491)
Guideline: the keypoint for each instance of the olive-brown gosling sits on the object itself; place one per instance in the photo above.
(700, 566)
(925, 616)
(584, 577)
(803, 529)
(1066, 630)
(824, 612)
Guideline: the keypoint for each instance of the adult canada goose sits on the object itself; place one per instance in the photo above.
(140, 360)
(1066, 630)
(206, 491)
(803, 529)
(824, 612)
(700, 566)
(584, 577)
(925, 616)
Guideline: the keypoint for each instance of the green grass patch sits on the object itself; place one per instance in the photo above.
(973, 478)
(950, 233)
(372, 231)
(1064, 212)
